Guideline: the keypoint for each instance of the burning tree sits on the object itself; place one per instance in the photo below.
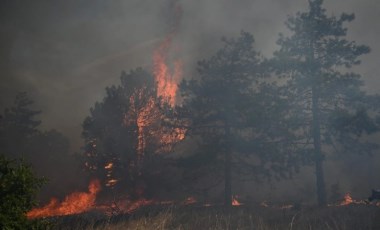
(233, 116)
(125, 137)
(326, 105)
(128, 132)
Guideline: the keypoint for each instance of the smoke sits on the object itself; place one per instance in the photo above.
(64, 53)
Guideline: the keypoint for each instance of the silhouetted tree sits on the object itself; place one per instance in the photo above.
(326, 105)
(46, 151)
(49, 154)
(233, 114)
(17, 125)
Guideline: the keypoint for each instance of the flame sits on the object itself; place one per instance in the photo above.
(147, 119)
(235, 202)
(111, 182)
(146, 116)
(167, 79)
(190, 200)
(109, 165)
(137, 204)
(141, 116)
(347, 199)
(74, 203)
(167, 71)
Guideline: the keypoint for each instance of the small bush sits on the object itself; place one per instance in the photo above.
(18, 189)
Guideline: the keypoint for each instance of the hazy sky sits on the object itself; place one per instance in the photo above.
(65, 52)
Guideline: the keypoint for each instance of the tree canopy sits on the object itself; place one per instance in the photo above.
(125, 131)
(233, 113)
(324, 95)
(46, 151)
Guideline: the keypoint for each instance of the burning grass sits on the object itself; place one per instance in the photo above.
(353, 216)
(74, 203)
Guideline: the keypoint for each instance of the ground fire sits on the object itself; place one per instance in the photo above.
(74, 203)
(235, 201)
(347, 199)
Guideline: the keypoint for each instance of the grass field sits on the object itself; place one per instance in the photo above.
(354, 216)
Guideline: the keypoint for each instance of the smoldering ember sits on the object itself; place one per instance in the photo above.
(245, 114)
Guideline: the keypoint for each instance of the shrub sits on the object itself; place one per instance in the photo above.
(18, 189)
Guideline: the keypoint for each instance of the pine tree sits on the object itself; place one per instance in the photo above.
(323, 93)
(17, 125)
(233, 114)
(124, 135)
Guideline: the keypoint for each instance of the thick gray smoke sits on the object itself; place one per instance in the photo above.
(64, 53)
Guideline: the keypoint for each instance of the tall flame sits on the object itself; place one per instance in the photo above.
(167, 71)
(167, 78)
(74, 203)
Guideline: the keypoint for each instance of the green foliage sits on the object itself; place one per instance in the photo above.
(19, 186)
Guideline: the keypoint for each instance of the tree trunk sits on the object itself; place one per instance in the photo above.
(227, 173)
(318, 156)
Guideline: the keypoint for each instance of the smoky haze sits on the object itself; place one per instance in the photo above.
(64, 53)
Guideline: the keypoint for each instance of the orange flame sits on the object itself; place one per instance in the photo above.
(74, 203)
(167, 71)
(146, 116)
(235, 202)
(111, 182)
(166, 78)
(347, 199)
(141, 115)
(109, 166)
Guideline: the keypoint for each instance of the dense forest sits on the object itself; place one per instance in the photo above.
(239, 129)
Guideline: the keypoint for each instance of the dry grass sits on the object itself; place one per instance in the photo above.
(353, 217)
